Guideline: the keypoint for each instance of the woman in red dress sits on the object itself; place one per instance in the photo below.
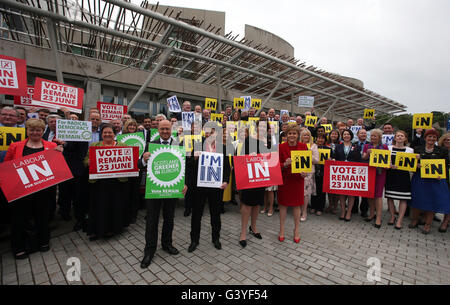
(290, 194)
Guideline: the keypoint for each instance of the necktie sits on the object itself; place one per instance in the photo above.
(165, 143)
(147, 138)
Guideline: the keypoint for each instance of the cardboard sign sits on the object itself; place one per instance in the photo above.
(10, 135)
(355, 130)
(239, 103)
(256, 103)
(110, 112)
(349, 178)
(13, 76)
(54, 95)
(210, 170)
(282, 112)
(328, 128)
(311, 121)
(257, 171)
(187, 120)
(74, 131)
(217, 117)
(380, 158)
(306, 101)
(369, 113)
(301, 161)
(324, 155)
(433, 168)
(406, 161)
(173, 104)
(30, 174)
(387, 139)
(113, 162)
(211, 103)
(26, 100)
(165, 172)
(33, 115)
(423, 120)
(253, 120)
(133, 139)
(247, 102)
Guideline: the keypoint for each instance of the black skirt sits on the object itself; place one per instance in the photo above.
(109, 211)
(253, 197)
(398, 185)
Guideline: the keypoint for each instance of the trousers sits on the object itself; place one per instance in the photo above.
(154, 207)
(214, 198)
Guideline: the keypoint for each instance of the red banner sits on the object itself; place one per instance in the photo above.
(30, 174)
(55, 95)
(13, 76)
(113, 162)
(257, 171)
(26, 100)
(109, 112)
(349, 178)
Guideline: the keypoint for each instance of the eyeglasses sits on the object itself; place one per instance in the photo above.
(9, 115)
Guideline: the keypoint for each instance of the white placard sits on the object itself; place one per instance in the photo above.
(282, 111)
(173, 104)
(247, 102)
(187, 120)
(306, 101)
(210, 170)
(388, 139)
(74, 131)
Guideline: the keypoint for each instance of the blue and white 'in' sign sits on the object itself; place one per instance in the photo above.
(173, 104)
(187, 119)
(248, 102)
(210, 170)
(387, 139)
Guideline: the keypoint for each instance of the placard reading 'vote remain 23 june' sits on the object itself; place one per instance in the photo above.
(166, 169)
(113, 162)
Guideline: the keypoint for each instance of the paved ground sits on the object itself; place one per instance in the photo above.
(330, 252)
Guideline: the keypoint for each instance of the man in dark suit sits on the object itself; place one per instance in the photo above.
(50, 132)
(154, 206)
(361, 202)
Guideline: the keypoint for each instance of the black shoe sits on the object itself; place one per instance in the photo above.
(66, 217)
(217, 244)
(392, 223)
(133, 220)
(347, 220)
(243, 243)
(170, 249)
(192, 247)
(78, 226)
(187, 213)
(92, 238)
(364, 215)
(146, 261)
(368, 219)
(398, 228)
(341, 218)
(21, 256)
(413, 226)
(435, 218)
(441, 230)
(377, 226)
(257, 235)
(44, 248)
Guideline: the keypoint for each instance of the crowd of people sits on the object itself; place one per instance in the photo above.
(105, 207)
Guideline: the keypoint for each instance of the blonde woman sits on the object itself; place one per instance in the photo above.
(130, 126)
(310, 182)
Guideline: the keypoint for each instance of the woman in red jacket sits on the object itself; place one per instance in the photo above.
(36, 204)
(290, 194)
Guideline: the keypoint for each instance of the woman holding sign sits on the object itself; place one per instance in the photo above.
(398, 182)
(108, 203)
(444, 141)
(430, 194)
(346, 151)
(376, 203)
(37, 204)
(291, 193)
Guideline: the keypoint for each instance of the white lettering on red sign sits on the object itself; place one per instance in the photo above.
(8, 74)
(352, 178)
(111, 160)
(111, 112)
(58, 93)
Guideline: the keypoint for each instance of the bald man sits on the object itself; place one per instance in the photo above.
(154, 206)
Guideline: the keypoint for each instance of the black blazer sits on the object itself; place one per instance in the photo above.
(354, 155)
(75, 153)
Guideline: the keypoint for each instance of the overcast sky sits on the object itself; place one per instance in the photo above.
(398, 48)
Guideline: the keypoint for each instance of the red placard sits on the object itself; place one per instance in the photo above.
(109, 112)
(55, 95)
(13, 76)
(257, 171)
(26, 100)
(113, 162)
(349, 178)
(30, 174)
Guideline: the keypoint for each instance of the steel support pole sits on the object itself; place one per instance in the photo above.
(165, 56)
(52, 38)
(329, 108)
(269, 97)
(219, 89)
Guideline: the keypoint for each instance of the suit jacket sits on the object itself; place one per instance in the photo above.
(75, 153)
(354, 155)
(15, 150)
(46, 134)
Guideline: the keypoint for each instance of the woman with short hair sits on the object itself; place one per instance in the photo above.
(37, 204)
(376, 203)
(429, 195)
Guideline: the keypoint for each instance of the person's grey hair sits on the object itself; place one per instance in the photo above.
(53, 116)
(377, 132)
(8, 108)
(161, 116)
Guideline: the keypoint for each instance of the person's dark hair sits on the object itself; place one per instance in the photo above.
(388, 124)
(322, 136)
(45, 110)
(21, 108)
(320, 127)
(350, 132)
(106, 125)
(338, 138)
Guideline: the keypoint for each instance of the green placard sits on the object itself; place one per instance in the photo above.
(165, 172)
(133, 139)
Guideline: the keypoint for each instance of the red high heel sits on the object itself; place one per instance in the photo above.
(297, 240)
(281, 239)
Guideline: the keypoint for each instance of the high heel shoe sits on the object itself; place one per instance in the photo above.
(257, 235)
(296, 240)
(281, 238)
(377, 226)
(369, 219)
(392, 223)
(243, 243)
